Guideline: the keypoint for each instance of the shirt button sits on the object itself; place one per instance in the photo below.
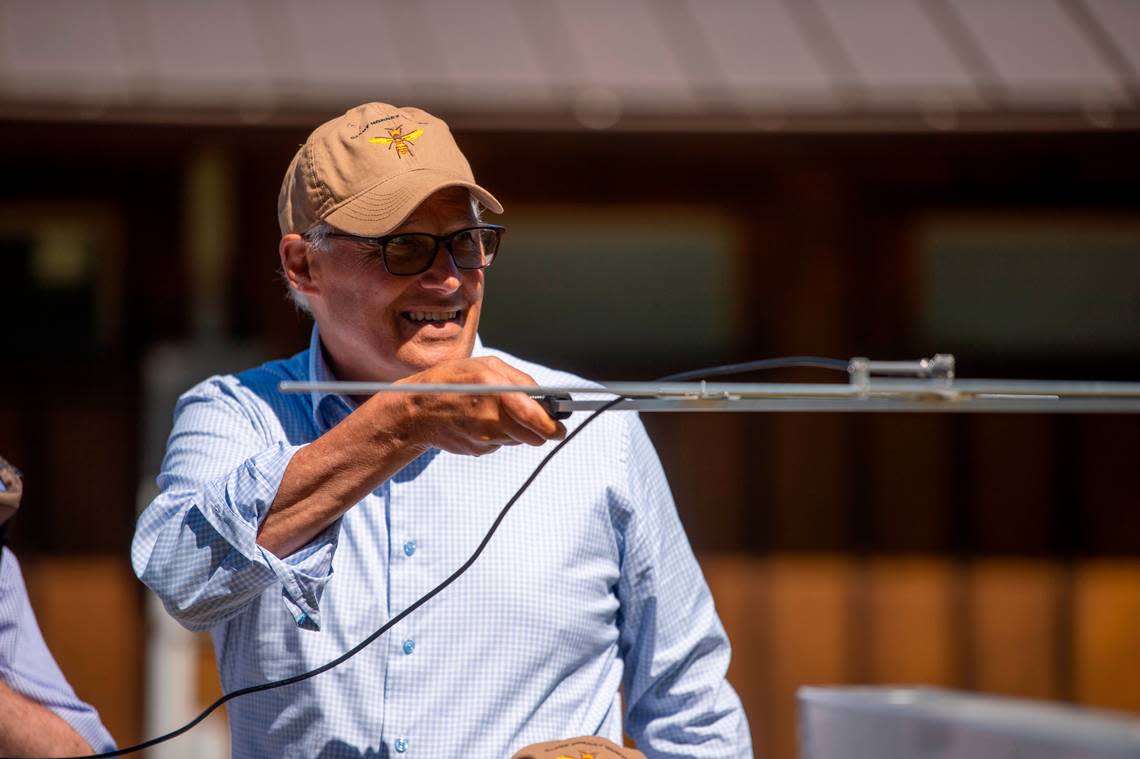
(401, 745)
(409, 646)
(409, 548)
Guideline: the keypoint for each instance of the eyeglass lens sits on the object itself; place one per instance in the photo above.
(413, 253)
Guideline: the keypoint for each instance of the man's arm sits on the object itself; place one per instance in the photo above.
(678, 702)
(387, 432)
(28, 728)
(236, 517)
(39, 712)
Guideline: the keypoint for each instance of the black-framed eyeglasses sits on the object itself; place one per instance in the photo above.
(411, 253)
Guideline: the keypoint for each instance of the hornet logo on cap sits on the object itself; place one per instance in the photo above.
(396, 138)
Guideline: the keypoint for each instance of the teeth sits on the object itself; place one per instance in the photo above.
(432, 316)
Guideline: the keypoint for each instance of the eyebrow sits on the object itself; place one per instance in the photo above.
(412, 221)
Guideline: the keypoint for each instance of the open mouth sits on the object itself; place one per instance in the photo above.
(432, 317)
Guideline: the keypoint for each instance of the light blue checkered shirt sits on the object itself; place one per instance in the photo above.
(589, 585)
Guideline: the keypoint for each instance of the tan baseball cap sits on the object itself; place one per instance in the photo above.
(366, 171)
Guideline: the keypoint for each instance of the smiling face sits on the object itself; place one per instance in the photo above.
(382, 327)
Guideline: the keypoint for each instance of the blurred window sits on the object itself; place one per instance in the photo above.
(575, 284)
(1041, 284)
(62, 281)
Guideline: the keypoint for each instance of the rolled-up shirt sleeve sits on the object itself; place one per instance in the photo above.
(676, 653)
(196, 544)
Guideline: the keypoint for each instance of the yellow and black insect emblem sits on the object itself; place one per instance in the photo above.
(397, 139)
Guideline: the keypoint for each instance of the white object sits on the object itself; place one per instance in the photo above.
(930, 723)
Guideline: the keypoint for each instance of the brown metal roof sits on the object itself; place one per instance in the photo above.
(693, 65)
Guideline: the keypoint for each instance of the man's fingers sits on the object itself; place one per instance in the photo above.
(503, 419)
(11, 481)
(520, 432)
(494, 422)
(533, 425)
(530, 414)
(514, 376)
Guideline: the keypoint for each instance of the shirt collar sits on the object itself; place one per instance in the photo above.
(330, 408)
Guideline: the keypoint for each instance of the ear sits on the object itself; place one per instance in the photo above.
(295, 252)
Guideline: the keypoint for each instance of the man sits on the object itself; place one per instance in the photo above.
(40, 715)
(292, 526)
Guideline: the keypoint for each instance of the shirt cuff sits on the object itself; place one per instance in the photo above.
(236, 506)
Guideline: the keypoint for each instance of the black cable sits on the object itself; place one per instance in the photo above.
(715, 371)
(756, 366)
(383, 629)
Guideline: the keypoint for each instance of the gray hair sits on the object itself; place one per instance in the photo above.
(317, 236)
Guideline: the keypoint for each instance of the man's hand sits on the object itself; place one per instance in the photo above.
(14, 490)
(477, 424)
(387, 432)
(586, 747)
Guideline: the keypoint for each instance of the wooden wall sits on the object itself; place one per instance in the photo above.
(89, 610)
(1026, 628)
(994, 553)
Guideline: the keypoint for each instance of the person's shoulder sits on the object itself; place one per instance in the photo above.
(254, 386)
(296, 367)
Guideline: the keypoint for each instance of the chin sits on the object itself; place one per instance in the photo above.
(424, 356)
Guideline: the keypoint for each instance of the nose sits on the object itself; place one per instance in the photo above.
(442, 276)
